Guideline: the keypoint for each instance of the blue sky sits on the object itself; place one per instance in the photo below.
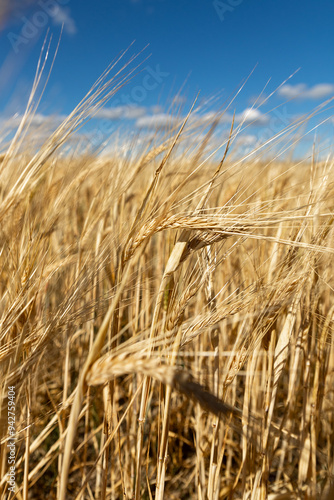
(207, 46)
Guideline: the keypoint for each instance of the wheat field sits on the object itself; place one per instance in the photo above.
(166, 314)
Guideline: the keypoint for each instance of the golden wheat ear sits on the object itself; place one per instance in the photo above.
(187, 385)
(111, 366)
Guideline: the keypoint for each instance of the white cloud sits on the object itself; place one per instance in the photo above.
(203, 119)
(252, 116)
(246, 140)
(179, 100)
(63, 16)
(36, 121)
(302, 91)
(159, 120)
(156, 108)
(40, 126)
(154, 118)
(249, 116)
(121, 112)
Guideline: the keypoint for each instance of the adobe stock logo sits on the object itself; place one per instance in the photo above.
(49, 9)
(223, 7)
